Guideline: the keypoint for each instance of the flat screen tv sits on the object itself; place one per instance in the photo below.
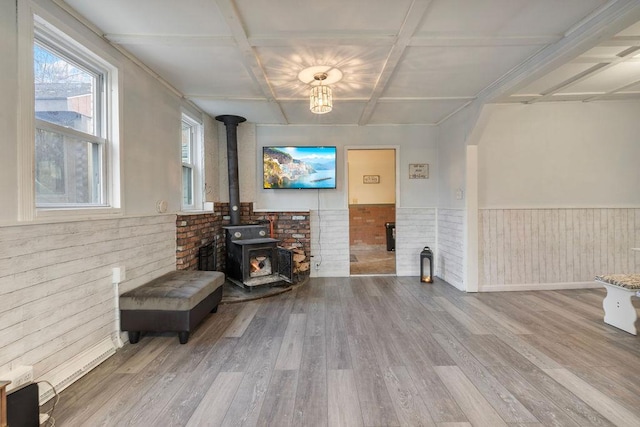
(299, 167)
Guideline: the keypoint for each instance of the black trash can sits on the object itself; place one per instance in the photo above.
(391, 235)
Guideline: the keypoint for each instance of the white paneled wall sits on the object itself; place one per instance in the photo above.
(449, 263)
(57, 299)
(330, 242)
(547, 248)
(415, 229)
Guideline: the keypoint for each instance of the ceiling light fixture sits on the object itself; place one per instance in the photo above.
(320, 97)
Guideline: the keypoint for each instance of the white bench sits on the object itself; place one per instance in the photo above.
(618, 309)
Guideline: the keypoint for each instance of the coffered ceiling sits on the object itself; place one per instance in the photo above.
(608, 71)
(403, 61)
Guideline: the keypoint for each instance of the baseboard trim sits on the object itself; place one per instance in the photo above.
(74, 369)
(539, 286)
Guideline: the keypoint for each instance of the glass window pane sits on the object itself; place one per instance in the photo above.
(64, 94)
(186, 143)
(68, 170)
(187, 186)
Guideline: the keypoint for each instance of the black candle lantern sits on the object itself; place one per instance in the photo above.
(426, 276)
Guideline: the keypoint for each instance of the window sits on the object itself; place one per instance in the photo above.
(71, 123)
(191, 163)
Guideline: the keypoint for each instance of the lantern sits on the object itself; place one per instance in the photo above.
(426, 272)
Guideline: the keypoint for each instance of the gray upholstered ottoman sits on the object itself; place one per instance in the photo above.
(176, 301)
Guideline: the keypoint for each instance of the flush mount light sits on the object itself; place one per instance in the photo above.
(321, 96)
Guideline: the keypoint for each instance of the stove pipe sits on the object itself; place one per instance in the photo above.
(231, 123)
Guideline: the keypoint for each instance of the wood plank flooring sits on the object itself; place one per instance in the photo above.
(375, 351)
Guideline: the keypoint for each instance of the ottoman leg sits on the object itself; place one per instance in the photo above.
(134, 336)
(214, 309)
(183, 336)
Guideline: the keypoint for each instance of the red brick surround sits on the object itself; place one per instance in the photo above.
(367, 223)
(196, 230)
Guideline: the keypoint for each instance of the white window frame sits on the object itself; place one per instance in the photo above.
(36, 22)
(195, 163)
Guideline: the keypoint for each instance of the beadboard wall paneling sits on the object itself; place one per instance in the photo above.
(528, 248)
(415, 229)
(57, 299)
(330, 242)
(449, 262)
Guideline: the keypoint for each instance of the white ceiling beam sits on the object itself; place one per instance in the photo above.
(388, 100)
(601, 25)
(294, 39)
(545, 95)
(525, 99)
(575, 97)
(588, 73)
(613, 92)
(426, 99)
(453, 113)
(622, 41)
(597, 60)
(412, 20)
(480, 41)
(249, 57)
(172, 40)
(603, 10)
(619, 96)
(225, 98)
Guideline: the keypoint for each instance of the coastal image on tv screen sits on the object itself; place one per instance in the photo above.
(299, 167)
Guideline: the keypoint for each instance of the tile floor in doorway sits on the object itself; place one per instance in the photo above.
(372, 260)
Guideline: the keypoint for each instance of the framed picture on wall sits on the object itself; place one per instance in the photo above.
(418, 171)
(371, 179)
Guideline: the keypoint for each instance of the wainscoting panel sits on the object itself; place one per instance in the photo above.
(450, 255)
(330, 243)
(520, 247)
(415, 229)
(57, 299)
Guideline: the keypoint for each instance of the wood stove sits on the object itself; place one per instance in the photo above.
(254, 258)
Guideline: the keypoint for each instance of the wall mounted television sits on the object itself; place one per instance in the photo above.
(299, 167)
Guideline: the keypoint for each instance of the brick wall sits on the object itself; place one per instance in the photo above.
(367, 223)
(194, 231)
(293, 229)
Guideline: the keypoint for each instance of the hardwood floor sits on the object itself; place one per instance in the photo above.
(375, 351)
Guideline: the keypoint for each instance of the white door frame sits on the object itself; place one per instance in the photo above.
(348, 148)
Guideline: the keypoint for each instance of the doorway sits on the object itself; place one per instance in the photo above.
(372, 210)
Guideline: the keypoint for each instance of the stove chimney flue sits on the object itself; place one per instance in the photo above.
(231, 123)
